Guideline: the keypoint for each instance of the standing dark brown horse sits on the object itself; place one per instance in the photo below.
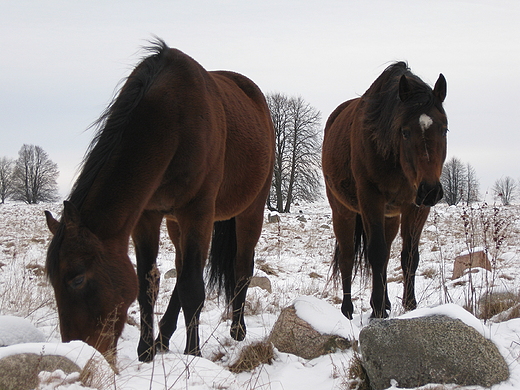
(179, 143)
(382, 160)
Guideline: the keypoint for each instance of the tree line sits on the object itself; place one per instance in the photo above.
(31, 178)
(461, 185)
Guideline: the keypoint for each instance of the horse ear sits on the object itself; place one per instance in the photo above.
(440, 88)
(70, 215)
(52, 223)
(405, 90)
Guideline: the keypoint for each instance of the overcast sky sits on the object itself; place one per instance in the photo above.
(61, 61)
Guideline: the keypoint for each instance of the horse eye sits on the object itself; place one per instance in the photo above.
(77, 282)
(406, 133)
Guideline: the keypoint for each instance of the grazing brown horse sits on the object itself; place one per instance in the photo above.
(382, 160)
(180, 143)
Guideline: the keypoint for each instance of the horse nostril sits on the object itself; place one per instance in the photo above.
(429, 195)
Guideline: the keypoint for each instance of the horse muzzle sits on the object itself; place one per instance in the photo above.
(428, 194)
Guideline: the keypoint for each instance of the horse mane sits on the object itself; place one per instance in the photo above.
(112, 122)
(110, 128)
(385, 112)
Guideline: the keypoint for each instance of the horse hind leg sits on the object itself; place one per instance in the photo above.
(343, 263)
(168, 323)
(248, 230)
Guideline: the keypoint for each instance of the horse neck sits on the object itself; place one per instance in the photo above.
(118, 196)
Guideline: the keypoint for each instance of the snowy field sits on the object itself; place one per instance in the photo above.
(295, 255)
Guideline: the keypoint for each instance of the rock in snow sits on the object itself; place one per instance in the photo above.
(310, 328)
(436, 349)
(20, 372)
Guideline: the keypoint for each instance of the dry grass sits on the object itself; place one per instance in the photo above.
(356, 378)
(494, 303)
(265, 267)
(253, 356)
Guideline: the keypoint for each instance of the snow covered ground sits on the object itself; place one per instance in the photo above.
(295, 255)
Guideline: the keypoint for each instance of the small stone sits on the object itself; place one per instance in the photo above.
(291, 334)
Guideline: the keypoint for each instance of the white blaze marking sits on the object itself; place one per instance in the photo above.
(425, 121)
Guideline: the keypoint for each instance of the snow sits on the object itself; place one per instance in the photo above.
(76, 351)
(58, 380)
(295, 255)
(16, 330)
(324, 317)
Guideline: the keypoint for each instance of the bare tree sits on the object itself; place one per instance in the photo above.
(6, 178)
(297, 165)
(454, 181)
(505, 190)
(278, 104)
(472, 185)
(34, 176)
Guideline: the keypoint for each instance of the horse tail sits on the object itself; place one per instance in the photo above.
(222, 258)
(360, 258)
(360, 246)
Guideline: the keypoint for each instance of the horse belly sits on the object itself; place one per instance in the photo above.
(242, 184)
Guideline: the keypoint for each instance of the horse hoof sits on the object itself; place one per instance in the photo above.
(162, 346)
(238, 332)
(347, 308)
(378, 315)
(193, 352)
(145, 351)
(348, 313)
(411, 305)
(146, 356)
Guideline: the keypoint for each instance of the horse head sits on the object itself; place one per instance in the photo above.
(423, 139)
(92, 293)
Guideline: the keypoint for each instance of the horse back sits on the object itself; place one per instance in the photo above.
(249, 155)
(218, 132)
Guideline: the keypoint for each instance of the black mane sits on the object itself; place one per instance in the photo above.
(110, 127)
(111, 124)
(385, 112)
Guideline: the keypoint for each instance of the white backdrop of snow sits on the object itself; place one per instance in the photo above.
(298, 257)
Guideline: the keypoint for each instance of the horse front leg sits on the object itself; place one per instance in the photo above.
(391, 229)
(146, 240)
(413, 220)
(195, 235)
(168, 323)
(377, 254)
(373, 214)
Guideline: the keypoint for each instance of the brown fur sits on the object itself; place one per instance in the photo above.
(177, 142)
(380, 165)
